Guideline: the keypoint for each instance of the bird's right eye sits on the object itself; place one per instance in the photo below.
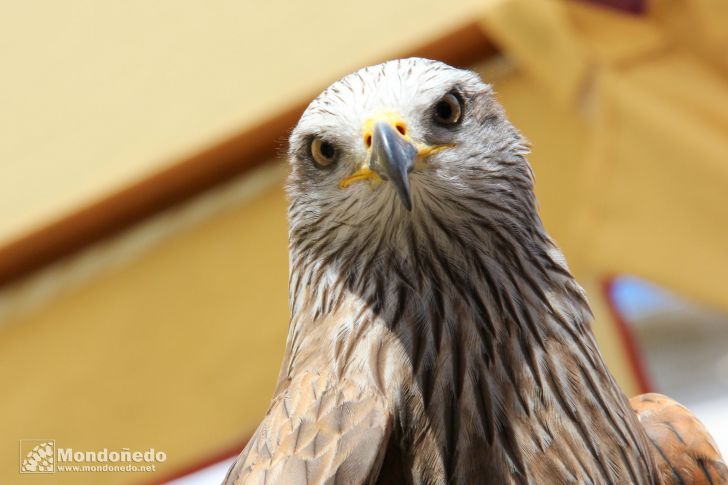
(323, 152)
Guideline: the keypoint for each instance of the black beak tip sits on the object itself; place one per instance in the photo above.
(401, 185)
(407, 202)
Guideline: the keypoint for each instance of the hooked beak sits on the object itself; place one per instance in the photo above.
(392, 155)
(393, 158)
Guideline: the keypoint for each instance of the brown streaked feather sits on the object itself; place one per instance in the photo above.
(318, 430)
(683, 450)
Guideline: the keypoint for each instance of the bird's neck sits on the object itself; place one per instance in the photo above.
(486, 288)
(475, 344)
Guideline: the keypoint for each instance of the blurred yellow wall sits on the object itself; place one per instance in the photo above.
(177, 350)
(99, 94)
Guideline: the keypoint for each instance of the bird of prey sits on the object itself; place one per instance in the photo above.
(436, 333)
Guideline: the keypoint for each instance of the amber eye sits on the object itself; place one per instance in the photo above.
(323, 152)
(448, 110)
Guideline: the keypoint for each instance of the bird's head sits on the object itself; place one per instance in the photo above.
(389, 144)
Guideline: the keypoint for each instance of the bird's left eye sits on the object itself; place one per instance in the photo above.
(322, 152)
(449, 110)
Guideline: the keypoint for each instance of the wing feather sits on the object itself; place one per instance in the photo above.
(318, 430)
(684, 451)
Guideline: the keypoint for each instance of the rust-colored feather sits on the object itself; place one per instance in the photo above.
(683, 450)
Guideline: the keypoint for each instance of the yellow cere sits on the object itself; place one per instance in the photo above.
(393, 119)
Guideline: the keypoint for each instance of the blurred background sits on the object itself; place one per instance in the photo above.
(143, 262)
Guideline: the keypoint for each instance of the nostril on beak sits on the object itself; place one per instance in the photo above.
(368, 140)
(401, 128)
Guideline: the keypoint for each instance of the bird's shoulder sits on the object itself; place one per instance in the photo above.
(683, 450)
(317, 427)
